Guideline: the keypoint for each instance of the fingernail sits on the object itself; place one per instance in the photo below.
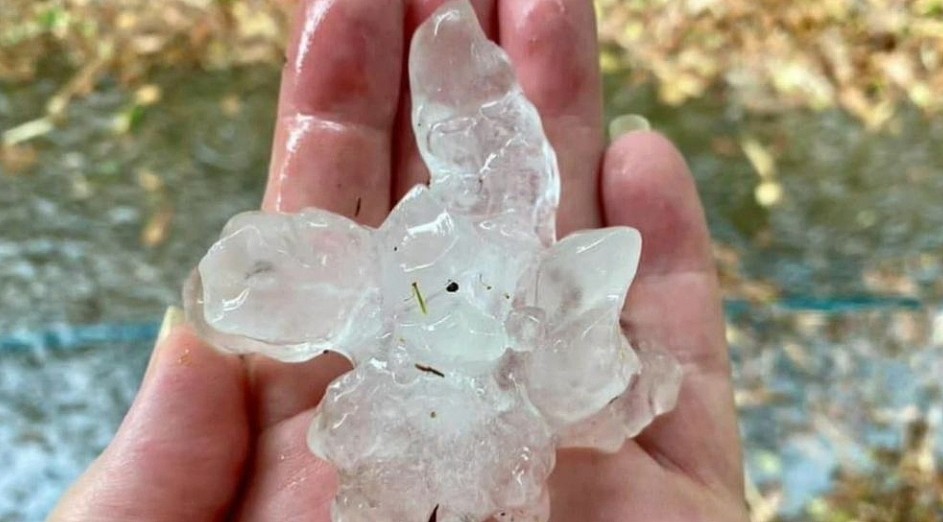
(173, 316)
(627, 123)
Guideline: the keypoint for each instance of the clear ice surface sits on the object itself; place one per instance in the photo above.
(480, 343)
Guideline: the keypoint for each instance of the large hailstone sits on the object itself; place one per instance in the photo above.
(480, 343)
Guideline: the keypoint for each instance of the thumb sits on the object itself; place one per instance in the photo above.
(180, 452)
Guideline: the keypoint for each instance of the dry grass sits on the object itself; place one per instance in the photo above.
(866, 56)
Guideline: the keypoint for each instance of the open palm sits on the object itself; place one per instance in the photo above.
(213, 436)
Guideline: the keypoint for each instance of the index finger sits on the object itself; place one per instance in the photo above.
(332, 148)
(338, 100)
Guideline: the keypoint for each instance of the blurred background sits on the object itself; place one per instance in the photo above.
(131, 130)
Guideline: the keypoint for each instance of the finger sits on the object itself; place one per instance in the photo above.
(338, 100)
(289, 481)
(553, 46)
(332, 149)
(675, 304)
(410, 169)
(180, 452)
(282, 390)
(419, 10)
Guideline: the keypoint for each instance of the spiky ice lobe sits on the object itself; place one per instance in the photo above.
(480, 343)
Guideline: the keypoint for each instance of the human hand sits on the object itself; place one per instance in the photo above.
(214, 436)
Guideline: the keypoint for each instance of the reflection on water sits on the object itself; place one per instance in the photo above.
(836, 354)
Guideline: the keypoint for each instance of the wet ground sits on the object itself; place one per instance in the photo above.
(834, 292)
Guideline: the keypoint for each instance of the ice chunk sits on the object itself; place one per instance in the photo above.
(586, 271)
(289, 286)
(585, 362)
(653, 392)
(481, 138)
(404, 447)
(479, 342)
